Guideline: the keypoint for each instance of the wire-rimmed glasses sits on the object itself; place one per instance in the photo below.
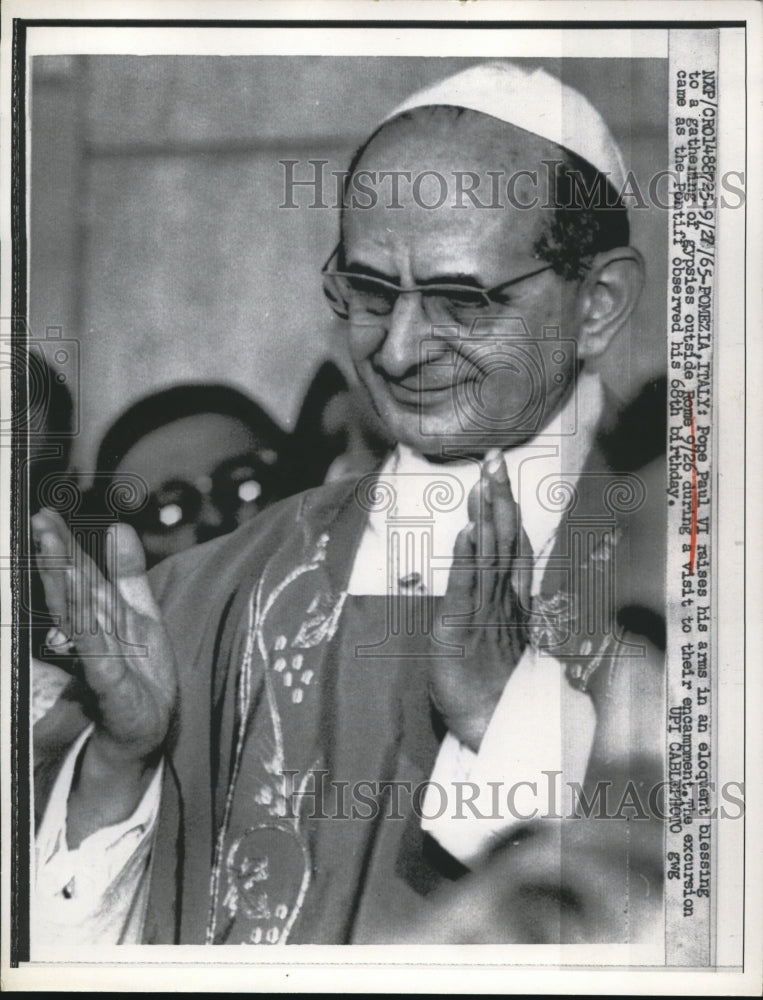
(362, 297)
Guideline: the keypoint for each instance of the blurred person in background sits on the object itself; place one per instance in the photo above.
(210, 459)
(337, 432)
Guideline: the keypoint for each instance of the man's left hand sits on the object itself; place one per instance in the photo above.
(484, 609)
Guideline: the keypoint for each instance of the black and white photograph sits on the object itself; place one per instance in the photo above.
(374, 520)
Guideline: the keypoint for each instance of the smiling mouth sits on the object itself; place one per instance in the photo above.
(412, 390)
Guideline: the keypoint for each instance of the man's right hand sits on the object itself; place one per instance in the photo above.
(488, 596)
(127, 665)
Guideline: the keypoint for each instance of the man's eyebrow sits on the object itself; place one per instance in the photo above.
(456, 278)
(364, 271)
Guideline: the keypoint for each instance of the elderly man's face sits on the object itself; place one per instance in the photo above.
(443, 385)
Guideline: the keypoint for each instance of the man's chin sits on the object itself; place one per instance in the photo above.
(441, 445)
(439, 434)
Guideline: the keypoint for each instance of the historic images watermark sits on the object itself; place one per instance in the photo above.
(314, 795)
(314, 184)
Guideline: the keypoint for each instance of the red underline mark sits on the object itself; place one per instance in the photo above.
(694, 491)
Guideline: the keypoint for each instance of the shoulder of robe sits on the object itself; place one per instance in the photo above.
(631, 442)
(210, 572)
(631, 435)
(194, 587)
(628, 689)
(641, 566)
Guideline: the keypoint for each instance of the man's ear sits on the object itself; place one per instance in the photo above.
(607, 297)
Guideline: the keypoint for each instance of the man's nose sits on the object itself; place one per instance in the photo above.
(209, 515)
(407, 326)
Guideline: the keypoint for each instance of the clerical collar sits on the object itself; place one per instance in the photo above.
(419, 506)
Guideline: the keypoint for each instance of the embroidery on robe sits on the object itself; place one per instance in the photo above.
(556, 618)
(551, 620)
(267, 868)
(243, 703)
(258, 910)
(324, 612)
(579, 673)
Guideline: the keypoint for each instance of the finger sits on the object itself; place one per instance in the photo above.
(461, 579)
(52, 567)
(49, 520)
(476, 501)
(486, 536)
(505, 510)
(51, 537)
(126, 566)
(522, 574)
(486, 583)
(478, 506)
(74, 586)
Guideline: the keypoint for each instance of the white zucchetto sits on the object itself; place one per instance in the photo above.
(534, 101)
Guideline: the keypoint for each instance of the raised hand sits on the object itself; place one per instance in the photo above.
(485, 607)
(126, 661)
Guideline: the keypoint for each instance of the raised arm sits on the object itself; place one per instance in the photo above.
(127, 666)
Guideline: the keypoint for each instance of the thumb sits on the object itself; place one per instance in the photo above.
(126, 565)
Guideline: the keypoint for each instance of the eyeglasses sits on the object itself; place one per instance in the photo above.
(231, 489)
(361, 297)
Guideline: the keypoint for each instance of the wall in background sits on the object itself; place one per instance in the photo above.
(156, 236)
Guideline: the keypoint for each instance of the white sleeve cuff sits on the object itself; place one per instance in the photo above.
(86, 895)
(541, 730)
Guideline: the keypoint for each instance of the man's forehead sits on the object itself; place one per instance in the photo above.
(456, 140)
(446, 242)
(442, 154)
